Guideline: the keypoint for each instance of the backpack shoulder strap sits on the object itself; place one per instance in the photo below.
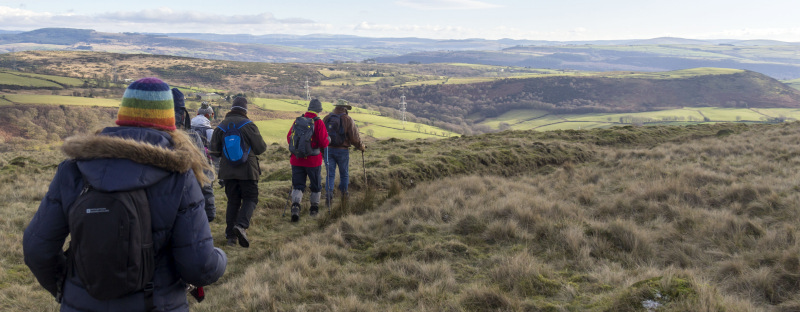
(244, 123)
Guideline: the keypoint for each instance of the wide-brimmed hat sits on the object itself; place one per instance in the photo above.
(343, 103)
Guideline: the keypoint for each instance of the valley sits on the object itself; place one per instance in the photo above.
(507, 189)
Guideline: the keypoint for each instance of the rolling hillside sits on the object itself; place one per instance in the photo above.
(776, 59)
(90, 40)
(456, 97)
(599, 93)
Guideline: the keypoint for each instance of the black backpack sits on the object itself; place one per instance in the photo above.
(111, 247)
(300, 139)
(335, 130)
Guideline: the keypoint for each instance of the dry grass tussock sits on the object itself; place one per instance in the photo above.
(700, 225)
(21, 189)
(692, 224)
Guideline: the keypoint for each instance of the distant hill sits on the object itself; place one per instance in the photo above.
(665, 54)
(777, 59)
(90, 40)
(449, 96)
(454, 103)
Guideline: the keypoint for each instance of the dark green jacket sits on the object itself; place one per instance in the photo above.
(251, 136)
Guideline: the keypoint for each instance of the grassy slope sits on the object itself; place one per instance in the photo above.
(29, 80)
(274, 131)
(598, 220)
(60, 100)
(596, 237)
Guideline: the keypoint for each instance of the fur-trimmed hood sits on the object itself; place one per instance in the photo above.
(142, 154)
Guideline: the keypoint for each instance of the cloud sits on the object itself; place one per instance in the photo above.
(446, 4)
(426, 31)
(12, 18)
(167, 15)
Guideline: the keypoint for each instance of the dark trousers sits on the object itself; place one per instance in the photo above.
(242, 200)
(299, 175)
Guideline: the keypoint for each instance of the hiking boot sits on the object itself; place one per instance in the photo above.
(295, 212)
(313, 211)
(231, 241)
(241, 234)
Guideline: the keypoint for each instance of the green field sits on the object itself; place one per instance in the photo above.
(59, 100)
(66, 81)
(677, 74)
(350, 81)
(794, 83)
(285, 105)
(274, 131)
(792, 113)
(328, 73)
(514, 116)
(567, 125)
(535, 119)
(385, 127)
(368, 121)
(14, 78)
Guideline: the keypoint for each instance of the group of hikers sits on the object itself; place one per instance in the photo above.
(136, 200)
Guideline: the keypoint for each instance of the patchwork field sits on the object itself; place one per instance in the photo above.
(539, 120)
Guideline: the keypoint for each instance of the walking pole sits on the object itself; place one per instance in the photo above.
(328, 187)
(364, 165)
(287, 202)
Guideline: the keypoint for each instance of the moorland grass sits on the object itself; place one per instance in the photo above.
(681, 218)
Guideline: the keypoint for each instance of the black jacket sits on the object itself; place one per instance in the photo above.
(251, 136)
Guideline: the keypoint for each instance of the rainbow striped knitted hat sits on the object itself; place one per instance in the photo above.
(147, 103)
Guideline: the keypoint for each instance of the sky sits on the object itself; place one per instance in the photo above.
(555, 20)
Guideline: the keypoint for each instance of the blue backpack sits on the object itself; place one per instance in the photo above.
(233, 146)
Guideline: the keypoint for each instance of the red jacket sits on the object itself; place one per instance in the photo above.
(319, 140)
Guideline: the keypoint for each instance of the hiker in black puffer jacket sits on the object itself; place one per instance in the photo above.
(240, 181)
